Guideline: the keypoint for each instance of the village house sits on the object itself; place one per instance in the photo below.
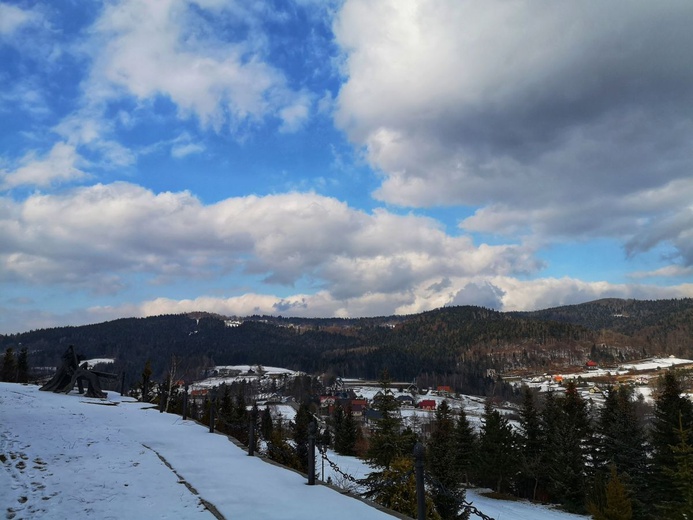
(358, 407)
(427, 404)
(405, 401)
(327, 404)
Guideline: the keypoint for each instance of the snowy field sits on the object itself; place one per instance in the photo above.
(66, 456)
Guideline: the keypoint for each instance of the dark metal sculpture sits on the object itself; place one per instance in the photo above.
(71, 373)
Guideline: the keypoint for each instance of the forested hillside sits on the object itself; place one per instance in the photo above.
(453, 345)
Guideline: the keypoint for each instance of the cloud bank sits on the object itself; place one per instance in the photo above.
(552, 120)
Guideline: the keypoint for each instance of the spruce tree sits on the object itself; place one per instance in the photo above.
(301, 432)
(498, 454)
(23, 366)
(9, 366)
(620, 442)
(569, 476)
(337, 421)
(465, 446)
(397, 490)
(239, 418)
(616, 502)
(347, 434)
(266, 424)
(531, 446)
(225, 408)
(389, 454)
(279, 450)
(146, 382)
(386, 443)
(673, 413)
(448, 476)
(566, 434)
(682, 476)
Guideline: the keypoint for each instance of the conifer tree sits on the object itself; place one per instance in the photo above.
(386, 443)
(347, 433)
(682, 476)
(266, 423)
(337, 421)
(279, 450)
(389, 454)
(497, 455)
(620, 442)
(239, 418)
(568, 474)
(397, 490)
(9, 366)
(23, 366)
(531, 446)
(616, 504)
(450, 477)
(301, 432)
(465, 446)
(672, 413)
(146, 382)
(225, 406)
(566, 435)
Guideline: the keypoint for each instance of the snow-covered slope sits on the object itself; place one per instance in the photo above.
(66, 456)
(72, 457)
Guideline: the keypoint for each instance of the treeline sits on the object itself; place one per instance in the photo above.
(612, 463)
(15, 366)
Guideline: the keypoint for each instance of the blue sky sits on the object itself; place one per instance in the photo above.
(340, 158)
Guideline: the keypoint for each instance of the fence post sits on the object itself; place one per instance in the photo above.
(251, 432)
(185, 402)
(419, 452)
(122, 383)
(311, 453)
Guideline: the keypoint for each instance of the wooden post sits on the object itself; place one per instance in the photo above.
(419, 452)
(122, 383)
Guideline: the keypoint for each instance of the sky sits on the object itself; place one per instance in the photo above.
(341, 158)
(136, 462)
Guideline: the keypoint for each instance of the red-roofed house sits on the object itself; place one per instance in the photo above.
(427, 404)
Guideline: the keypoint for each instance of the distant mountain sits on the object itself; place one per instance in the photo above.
(459, 346)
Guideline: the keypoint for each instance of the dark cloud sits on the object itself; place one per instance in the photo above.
(535, 113)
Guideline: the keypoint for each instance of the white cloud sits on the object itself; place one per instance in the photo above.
(294, 116)
(670, 271)
(151, 49)
(78, 236)
(12, 18)
(61, 164)
(184, 149)
(531, 112)
(544, 293)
